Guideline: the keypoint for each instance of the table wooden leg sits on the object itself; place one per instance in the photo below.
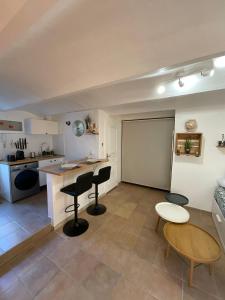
(167, 250)
(210, 269)
(191, 273)
(157, 224)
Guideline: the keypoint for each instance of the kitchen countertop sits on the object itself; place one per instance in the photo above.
(29, 160)
(83, 166)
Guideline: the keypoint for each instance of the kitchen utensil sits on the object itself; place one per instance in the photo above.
(32, 154)
(19, 155)
(25, 143)
(11, 157)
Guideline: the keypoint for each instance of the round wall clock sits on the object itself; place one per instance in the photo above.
(78, 128)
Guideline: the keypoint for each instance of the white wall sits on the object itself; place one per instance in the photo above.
(73, 147)
(34, 141)
(196, 177)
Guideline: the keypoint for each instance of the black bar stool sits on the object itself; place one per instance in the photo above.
(103, 175)
(77, 226)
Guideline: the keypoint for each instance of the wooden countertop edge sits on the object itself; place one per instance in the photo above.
(82, 166)
(29, 160)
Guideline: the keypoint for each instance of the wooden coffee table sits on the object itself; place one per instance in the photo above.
(194, 243)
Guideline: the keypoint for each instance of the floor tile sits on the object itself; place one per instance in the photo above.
(37, 275)
(125, 290)
(101, 280)
(63, 251)
(196, 294)
(60, 287)
(80, 266)
(16, 291)
(13, 239)
(174, 264)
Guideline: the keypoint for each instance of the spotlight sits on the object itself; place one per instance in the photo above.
(161, 89)
(180, 82)
(205, 73)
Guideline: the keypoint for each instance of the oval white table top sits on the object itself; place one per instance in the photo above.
(172, 212)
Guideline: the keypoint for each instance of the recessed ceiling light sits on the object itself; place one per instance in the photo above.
(219, 62)
(161, 89)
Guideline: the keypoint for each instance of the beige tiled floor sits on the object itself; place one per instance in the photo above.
(119, 257)
(21, 219)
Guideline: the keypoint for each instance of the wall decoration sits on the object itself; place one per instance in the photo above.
(78, 128)
(188, 144)
(221, 143)
(191, 125)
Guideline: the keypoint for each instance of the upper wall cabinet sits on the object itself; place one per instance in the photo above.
(35, 126)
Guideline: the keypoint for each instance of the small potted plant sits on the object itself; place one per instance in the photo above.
(187, 146)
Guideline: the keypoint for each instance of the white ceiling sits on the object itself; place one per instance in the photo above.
(52, 53)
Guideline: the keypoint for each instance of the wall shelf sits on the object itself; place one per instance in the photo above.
(196, 141)
(91, 133)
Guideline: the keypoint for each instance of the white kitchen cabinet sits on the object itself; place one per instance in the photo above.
(36, 126)
(46, 163)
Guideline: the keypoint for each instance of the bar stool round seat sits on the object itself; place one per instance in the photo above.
(97, 208)
(177, 199)
(77, 226)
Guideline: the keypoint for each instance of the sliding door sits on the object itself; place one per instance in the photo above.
(147, 152)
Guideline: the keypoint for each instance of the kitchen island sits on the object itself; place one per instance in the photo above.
(57, 178)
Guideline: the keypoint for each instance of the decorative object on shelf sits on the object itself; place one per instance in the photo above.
(178, 151)
(222, 142)
(68, 123)
(188, 144)
(78, 128)
(191, 125)
(88, 122)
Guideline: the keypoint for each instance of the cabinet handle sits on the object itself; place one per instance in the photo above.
(218, 218)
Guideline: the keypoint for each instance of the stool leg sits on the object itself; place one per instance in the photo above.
(75, 209)
(96, 208)
(96, 195)
(76, 226)
(210, 269)
(157, 224)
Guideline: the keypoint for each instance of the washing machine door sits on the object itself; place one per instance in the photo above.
(26, 180)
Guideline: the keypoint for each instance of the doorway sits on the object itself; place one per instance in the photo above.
(147, 152)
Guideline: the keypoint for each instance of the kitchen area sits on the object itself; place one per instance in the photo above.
(26, 146)
(38, 158)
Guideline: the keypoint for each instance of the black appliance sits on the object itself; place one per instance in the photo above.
(11, 158)
(19, 155)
